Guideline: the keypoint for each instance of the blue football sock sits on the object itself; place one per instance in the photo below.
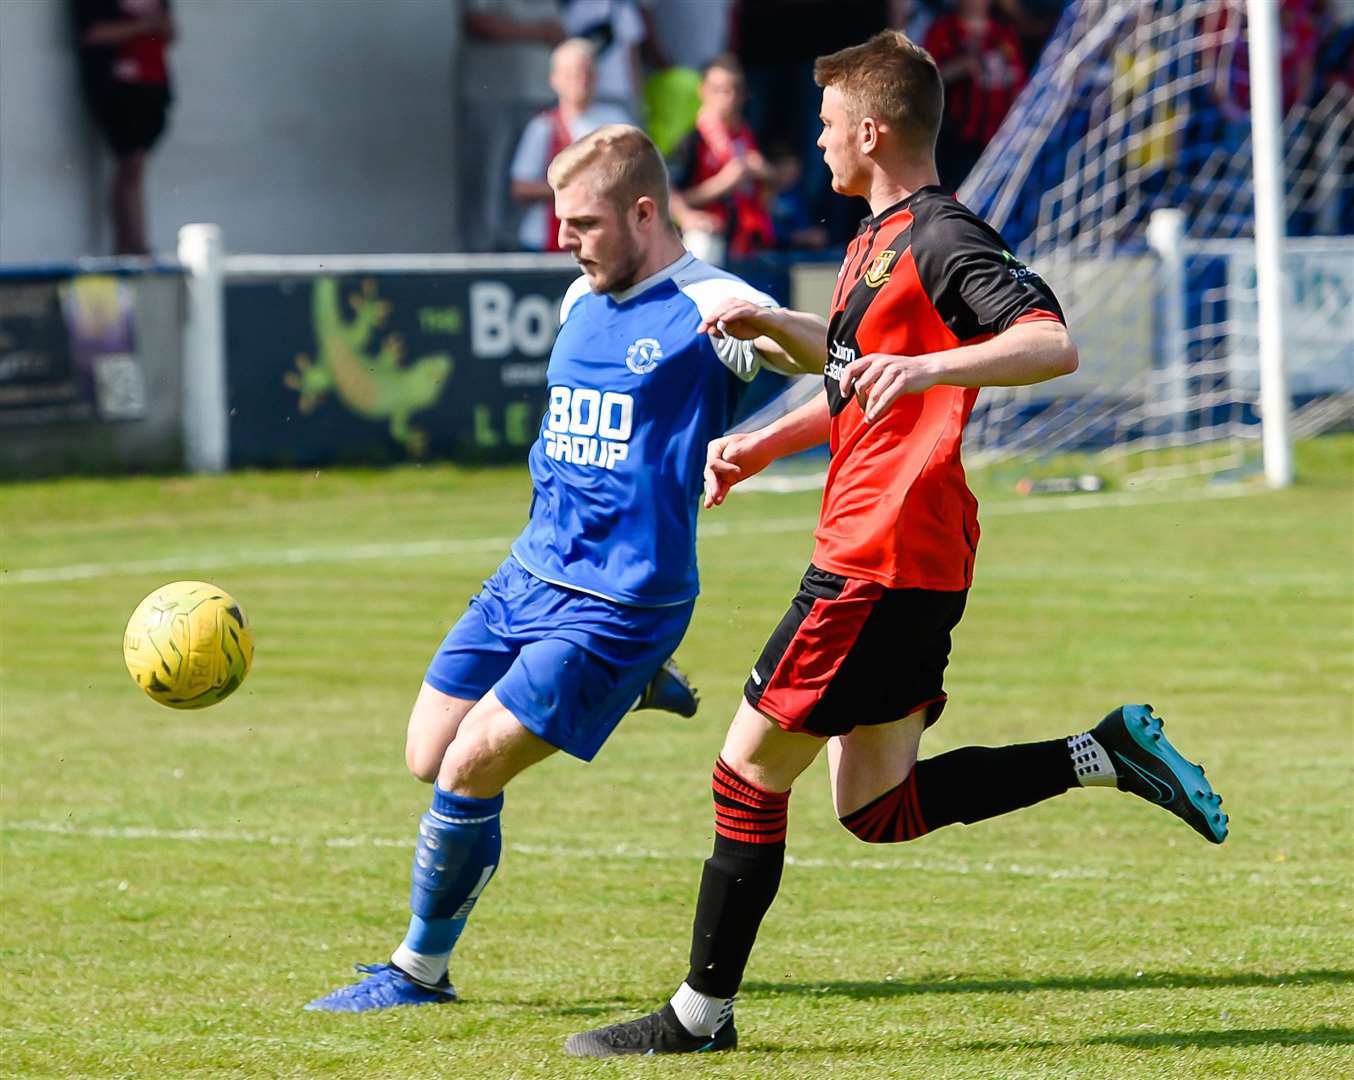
(458, 848)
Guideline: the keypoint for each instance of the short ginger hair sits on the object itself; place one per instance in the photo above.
(892, 79)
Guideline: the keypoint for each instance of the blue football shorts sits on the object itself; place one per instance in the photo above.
(567, 664)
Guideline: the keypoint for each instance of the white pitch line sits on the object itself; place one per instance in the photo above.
(278, 556)
(211, 562)
(296, 556)
(588, 854)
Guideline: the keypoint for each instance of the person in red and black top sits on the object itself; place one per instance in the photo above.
(981, 64)
(930, 306)
(719, 173)
(125, 78)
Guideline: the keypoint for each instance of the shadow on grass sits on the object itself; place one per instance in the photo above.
(1161, 1040)
(1175, 1040)
(1169, 980)
(614, 1009)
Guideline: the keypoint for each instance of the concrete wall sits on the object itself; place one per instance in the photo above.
(49, 159)
(301, 126)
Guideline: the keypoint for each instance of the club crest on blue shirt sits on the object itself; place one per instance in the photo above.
(643, 356)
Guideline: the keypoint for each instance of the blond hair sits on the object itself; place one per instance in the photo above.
(892, 79)
(624, 162)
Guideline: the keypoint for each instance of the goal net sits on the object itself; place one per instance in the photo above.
(1123, 175)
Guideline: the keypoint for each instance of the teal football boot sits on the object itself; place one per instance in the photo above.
(1148, 765)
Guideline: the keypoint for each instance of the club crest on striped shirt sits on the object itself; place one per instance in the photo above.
(879, 270)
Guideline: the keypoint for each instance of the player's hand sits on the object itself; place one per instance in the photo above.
(730, 460)
(740, 319)
(878, 380)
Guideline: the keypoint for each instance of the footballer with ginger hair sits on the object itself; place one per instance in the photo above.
(930, 305)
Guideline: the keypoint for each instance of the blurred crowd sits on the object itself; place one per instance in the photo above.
(1144, 124)
(725, 87)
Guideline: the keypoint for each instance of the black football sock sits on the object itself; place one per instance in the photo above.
(738, 883)
(968, 785)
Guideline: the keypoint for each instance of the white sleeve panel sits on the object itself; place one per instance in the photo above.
(707, 287)
(572, 296)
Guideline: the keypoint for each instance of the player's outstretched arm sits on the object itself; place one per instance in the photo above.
(792, 342)
(731, 459)
(1024, 354)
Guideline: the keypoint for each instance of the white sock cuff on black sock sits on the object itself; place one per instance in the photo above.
(1093, 766)
(700, 1013)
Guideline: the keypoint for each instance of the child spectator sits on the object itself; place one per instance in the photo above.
(719, 174)
(573, 77)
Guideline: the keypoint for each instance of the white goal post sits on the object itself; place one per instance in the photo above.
(1126, 177)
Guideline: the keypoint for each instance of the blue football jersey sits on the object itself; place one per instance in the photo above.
(635, 395)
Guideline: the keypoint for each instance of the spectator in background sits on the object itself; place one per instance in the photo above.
(617, 30)
(688, 35)
(720, 175)
(572, 78)
(504, 79)
(125, 78)
(980, 62)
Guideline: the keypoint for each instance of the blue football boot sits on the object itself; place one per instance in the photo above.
(670, 691)
(385, 987)
(1150, 767)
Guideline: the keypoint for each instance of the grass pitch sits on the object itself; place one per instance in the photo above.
(176, 886)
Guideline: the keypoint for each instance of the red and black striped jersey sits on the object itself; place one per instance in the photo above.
(925, 275)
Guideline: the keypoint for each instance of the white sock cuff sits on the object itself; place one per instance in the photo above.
(1092, 765)
(700, 1013)
(421, 967)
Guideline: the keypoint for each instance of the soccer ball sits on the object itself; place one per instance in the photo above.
(188, 645)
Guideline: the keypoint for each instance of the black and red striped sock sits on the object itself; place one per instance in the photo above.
(746, 813)
(739, 881)
(968, 785)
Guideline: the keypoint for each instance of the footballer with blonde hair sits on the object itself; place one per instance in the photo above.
(597, 591)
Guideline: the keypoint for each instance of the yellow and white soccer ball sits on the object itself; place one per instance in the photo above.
(188, 645)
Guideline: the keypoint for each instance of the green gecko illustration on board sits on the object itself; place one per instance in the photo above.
(376, 386)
